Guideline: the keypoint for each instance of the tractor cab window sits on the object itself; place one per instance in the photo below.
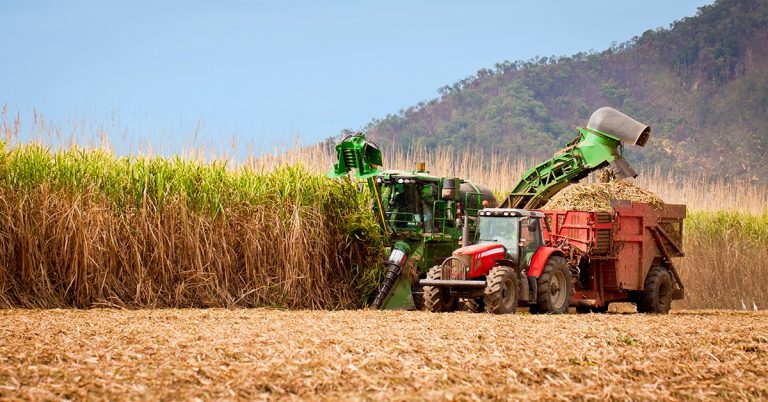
(530, 239)
(504, 230)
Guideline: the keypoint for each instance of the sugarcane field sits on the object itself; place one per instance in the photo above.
(176, 222)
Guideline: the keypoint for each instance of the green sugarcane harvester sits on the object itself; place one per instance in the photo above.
(425, 217)
(419, 214)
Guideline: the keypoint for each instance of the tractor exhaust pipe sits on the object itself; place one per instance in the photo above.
(613, 122)
(465, 232)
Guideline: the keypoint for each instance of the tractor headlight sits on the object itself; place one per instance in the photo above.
(400, 181)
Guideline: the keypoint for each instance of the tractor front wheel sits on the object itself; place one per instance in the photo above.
(555, 287)
(501, 291)
(438, 299)
(656, 297)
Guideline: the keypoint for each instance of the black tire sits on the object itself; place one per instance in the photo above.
(418, 296)
(656, 297)
(555, 287)
(438, 299)
(501, 291)
(472, 305)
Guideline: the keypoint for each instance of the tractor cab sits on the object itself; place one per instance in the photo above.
(518, 230)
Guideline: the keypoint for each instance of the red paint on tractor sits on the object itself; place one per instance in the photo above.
(540, 259)
(484, 257)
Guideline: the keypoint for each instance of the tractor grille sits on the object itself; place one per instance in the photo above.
(455, 268)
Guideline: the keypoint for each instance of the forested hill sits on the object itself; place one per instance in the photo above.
(702, 84)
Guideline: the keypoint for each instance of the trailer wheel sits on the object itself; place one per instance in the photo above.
(555, 287)
(472, 305)
(438, 299)
(656, 297)
(501, 291)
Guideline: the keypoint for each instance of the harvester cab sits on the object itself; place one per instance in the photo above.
(420, 215)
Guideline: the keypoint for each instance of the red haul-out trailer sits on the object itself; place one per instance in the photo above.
(550, 260)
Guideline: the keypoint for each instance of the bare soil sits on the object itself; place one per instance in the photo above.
(272, 354)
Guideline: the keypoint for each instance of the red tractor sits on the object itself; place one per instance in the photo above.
(511, 262)
(553, 260)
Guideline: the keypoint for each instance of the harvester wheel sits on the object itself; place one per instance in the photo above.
(501, 291)
(437, 299)
(555, 287)
(656, 297)
(472, 305)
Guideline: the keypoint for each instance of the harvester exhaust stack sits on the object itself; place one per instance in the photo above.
(627, 129)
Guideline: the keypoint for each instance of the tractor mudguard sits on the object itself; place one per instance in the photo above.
(540, 259)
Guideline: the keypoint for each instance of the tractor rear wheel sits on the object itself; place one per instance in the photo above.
(501, 291)
(656, 297)
(438, 299)
(555, 287)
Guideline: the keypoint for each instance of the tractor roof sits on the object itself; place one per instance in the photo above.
(504, 212)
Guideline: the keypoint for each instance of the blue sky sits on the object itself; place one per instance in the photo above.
(262, 71)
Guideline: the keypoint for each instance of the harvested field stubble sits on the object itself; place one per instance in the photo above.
(259, 354)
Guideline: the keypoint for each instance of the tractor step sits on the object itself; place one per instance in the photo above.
(452, 282)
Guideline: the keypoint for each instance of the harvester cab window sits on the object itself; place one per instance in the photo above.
(403, 206)
(427, 199)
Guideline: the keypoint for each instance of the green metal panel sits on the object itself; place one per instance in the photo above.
(437, 249)
(400, 297)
